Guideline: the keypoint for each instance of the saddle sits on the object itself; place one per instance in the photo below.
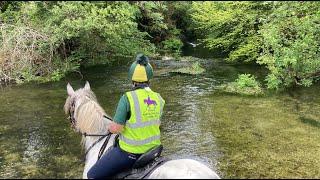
(144, 165)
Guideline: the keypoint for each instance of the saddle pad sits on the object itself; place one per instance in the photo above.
(143, 172)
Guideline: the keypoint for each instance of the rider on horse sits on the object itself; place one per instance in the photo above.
(136, 123)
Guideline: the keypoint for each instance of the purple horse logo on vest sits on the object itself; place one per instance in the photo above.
(149, 102)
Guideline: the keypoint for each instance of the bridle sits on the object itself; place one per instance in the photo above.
(73, 123)
(71, 114)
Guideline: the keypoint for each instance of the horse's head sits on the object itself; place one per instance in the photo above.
(85, 114)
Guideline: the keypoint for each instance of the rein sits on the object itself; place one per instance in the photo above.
(97, 141)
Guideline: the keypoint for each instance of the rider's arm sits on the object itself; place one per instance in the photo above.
(121, 116)
(115, 128)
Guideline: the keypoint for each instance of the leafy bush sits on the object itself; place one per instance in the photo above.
(291, 45)
(283, 36)
(25, 53)
(231, 27)
(245, 84)
(86, 33)
(172, 45)
(65, 31)
(246, 80)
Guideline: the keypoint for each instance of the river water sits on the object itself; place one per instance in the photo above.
(235, 135)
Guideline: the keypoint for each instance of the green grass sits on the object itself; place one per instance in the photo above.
(261, 138)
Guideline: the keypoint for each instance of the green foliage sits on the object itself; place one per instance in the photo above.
(245, 84)
(56, 75)
(182, 17)
(283, 36)
(25, 53)
(49, 39)
(157, 19)
(86, 33)
(231, 27)
(291, 45)
(172, 45)
(99, 28)
(74, 33)
(151, 17)
(273, 81)
(246, 80)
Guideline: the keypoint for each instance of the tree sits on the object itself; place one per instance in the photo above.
(291, 41)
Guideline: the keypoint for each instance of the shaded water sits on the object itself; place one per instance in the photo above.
(233, 134)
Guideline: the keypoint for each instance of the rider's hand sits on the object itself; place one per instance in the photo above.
(115, 128)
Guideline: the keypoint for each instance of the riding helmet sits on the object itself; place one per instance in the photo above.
(140, 70)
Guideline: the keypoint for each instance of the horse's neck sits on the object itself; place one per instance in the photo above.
(90, 140)
(92, 155)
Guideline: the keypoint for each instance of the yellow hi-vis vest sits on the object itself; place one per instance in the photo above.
(141, 132)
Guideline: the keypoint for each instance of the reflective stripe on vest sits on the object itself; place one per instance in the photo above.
(141, 131)
(141, 142)
(136, 106)
(144, 124)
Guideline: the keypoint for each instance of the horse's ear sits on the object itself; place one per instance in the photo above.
(87, 86)
(70, 90)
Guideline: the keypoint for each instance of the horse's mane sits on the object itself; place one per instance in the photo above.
(88, 114)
